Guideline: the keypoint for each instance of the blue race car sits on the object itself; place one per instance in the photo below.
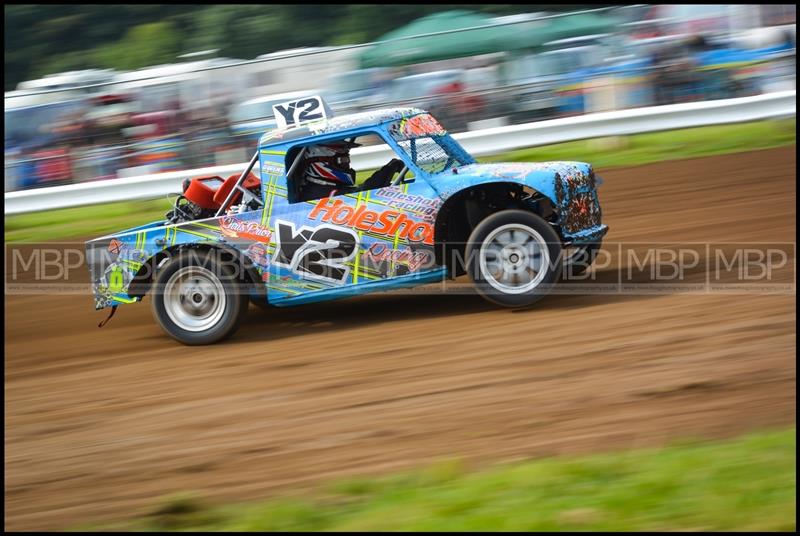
(513, 228)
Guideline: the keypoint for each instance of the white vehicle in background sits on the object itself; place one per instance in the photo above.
(70, 80)
(354, 91)
(542, 85)
(59, 87)
(456, 96)
(289, 70)
(530, 81)
(22, 99)
(193, 87)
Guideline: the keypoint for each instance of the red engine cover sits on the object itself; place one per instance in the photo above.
(251, 181)
(210, 192)
(201, 191)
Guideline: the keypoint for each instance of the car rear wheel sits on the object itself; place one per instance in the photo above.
(514, 258)
(197, 300)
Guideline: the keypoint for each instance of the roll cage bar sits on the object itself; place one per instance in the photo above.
(247, 194)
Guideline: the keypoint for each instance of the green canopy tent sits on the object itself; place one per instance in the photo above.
(394, 51)
(580, 25)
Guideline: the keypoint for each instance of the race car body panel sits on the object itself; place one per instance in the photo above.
(570, 186)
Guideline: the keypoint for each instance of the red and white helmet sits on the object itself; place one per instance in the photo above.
(331, 163)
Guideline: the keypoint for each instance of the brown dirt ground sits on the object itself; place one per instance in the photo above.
(101, 423)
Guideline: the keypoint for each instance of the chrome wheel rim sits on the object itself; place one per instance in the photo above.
(514, 259)
(194, 299)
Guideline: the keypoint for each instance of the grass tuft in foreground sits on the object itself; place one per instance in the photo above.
(744, 484)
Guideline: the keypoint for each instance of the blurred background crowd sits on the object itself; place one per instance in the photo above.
(479, 69)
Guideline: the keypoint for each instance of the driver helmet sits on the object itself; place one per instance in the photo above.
(331, 162)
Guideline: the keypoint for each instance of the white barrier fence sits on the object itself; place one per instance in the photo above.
(478, 143)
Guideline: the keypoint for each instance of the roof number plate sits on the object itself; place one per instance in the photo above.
(295, 113)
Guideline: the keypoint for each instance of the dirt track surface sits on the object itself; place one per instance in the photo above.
(102, 422)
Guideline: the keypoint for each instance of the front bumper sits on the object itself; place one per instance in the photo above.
(579, 207)
(588, 236)
(113, 263)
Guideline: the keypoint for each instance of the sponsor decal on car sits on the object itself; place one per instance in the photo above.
(247, 230)
(318, 253)
(272, 168)
(388, 223)
(414, 259)
(426, 207)
(417, 126)
(258, 254)
(115, 246)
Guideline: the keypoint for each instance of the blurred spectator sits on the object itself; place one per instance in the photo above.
(674, 73)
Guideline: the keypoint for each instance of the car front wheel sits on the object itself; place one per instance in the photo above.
(514, 258)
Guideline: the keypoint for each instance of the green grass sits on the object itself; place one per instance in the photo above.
(746, 484)
(604, 153)
(79, 222)
(640, 149)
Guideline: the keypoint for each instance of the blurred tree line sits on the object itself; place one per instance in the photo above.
(46, 39)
